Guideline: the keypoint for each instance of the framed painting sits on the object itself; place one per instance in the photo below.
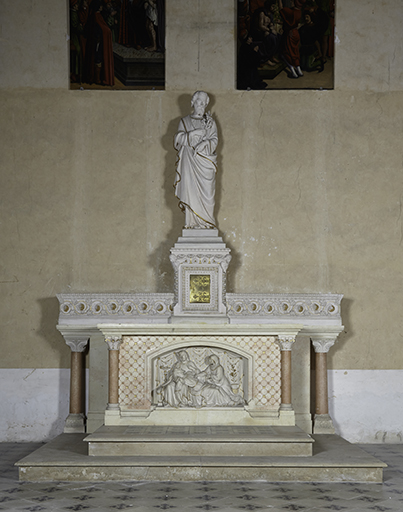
(285, 44)
(117, 44)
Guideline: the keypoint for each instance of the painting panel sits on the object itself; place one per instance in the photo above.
(117, 44)
(285, 44)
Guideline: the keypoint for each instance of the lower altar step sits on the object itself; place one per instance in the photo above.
(333, 460)
(199, 441)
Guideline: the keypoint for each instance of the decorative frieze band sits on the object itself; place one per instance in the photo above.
(219, 257)
(121, 305)
(93, 309)
(284, 305)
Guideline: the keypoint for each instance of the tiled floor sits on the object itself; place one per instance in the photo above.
(199, 496)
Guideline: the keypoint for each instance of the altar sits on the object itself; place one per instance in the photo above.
(264, 345)
(199, 383)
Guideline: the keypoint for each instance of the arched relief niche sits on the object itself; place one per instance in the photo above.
(145, 362)
(200, 376)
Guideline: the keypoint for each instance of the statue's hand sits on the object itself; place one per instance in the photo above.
(199, 132)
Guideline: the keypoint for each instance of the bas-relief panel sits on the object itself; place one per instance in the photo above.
(198, 377)
(117, 44)
(286, 44)
(250, 364)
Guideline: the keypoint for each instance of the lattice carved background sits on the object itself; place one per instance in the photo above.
(135, 391)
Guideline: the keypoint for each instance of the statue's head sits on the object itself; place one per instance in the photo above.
(201, 96)
(214, 361)
(183, 356)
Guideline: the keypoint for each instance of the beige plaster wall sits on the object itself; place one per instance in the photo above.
(310, 187)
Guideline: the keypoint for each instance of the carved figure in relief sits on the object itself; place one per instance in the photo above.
(217, 390)
(196, 166)
(181, 378)
(186, 386)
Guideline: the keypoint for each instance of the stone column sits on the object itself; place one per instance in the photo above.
(75, 421)
(322, 423)
(113, 343)
(285, 343)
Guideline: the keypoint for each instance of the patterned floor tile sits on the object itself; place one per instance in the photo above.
(200, 496)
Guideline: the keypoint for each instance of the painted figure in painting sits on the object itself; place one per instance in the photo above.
(284, 35)
(291, 39)
(99, 64)
(196, 142)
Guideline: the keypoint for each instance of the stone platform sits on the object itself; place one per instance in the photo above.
(200, 440)
(333, 460)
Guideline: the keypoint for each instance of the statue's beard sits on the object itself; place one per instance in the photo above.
(199, 111)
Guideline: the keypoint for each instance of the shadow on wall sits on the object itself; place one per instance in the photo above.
(347, 334)
(159, 259)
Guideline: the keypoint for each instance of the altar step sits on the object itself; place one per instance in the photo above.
(333, 460)
(199, 441)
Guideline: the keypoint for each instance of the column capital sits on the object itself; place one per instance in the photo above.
(285, 341)
(113, 342)
(77, 343)
(322, 343)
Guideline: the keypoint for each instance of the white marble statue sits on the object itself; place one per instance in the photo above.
(196, 142)
(186, 386)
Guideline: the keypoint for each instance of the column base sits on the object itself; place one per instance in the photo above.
(286, 407)
(287, 416)
(113, 407)
(112, 414)
(323, 424)
(75, 424)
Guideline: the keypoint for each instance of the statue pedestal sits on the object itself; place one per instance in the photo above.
(200, 259)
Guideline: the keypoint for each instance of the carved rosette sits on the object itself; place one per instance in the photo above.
(113, 342)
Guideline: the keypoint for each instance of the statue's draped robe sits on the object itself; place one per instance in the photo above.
(195, 178)
(217, 390)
